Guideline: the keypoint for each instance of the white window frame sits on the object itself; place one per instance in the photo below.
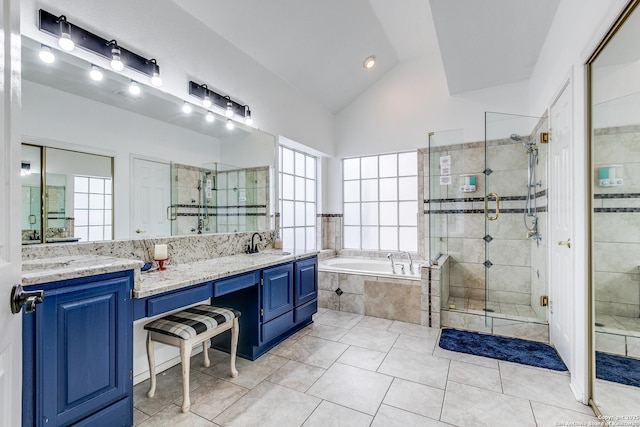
(107, 229)
(398, 201)
(309, 229)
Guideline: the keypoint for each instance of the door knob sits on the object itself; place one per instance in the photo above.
(566, 243)
(140, 231)
(29, 299)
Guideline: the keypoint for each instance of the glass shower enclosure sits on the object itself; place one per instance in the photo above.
(487, 207)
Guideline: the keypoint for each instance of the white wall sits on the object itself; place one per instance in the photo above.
(578, 27)
(411, 100)
(187, 50)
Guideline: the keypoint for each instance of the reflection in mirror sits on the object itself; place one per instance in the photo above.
(78, 199)
(31, 173)
(615, 116)
(145, 133)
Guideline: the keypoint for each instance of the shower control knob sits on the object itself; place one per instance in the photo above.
(566, 243)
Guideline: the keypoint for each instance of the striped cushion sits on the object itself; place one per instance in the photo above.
(191, 322)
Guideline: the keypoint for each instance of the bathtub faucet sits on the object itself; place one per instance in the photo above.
(410, 262)
(393, 265)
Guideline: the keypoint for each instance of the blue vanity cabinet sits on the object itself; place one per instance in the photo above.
(78, 353)
(306, 289)
(276, 289)
(281, 302)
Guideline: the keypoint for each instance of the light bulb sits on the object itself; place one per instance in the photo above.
(46, 55)
(370, 62)
(155, 75)
(230, 124)
(206, 101)
(186, 108)
(247, 117)
(134, 88)
(156, 80)
(95, 73)
(65, 41)
(229, 110)
(116, 62)
(210, 117)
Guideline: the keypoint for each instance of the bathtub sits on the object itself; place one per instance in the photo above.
(372, 267)
(369, 287)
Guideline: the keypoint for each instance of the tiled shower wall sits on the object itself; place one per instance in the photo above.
(616, 223)
(329, 231)
(238, 203)
(518, 265)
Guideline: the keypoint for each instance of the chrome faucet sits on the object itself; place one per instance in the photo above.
(410, 262)
(253, 247)
(393, 265)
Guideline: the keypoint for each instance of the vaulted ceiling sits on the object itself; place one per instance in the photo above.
(319, 46)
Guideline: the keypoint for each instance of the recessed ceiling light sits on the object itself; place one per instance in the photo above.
(369, 62)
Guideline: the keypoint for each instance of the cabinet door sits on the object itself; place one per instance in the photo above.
(277, 291)
(84, 358)
(306, 283)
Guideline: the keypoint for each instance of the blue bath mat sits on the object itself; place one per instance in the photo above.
(502, 348)
(618, 369)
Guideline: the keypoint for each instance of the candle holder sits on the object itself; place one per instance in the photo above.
(161, 263)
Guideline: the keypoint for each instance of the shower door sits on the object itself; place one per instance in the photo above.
(515, 202)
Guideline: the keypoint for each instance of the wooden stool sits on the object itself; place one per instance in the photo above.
(185, 329)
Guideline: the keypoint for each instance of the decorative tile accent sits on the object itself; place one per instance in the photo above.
(339, 292)
(488, 264)
(487, 238)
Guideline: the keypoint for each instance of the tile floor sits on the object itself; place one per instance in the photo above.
(352, 370)
(499, 309)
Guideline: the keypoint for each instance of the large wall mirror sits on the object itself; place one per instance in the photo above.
(615, 224)
(173, 173)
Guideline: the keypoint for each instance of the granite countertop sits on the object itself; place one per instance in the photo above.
(47, 270)
(183, 275)
(152, 282)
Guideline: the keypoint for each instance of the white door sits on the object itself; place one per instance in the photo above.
(561, 259)
(10, 254)
(151, 197)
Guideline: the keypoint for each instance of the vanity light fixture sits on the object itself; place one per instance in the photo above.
(369, 62)
(230, 124)
(210, 117)
(186, 108)
(64, 41)
(247, 116)
(95, 73)
(134, 88)
(116, 61)
(70, 35)
(210, 98)
(46, 55)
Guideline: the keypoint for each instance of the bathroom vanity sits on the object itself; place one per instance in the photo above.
(77, 344)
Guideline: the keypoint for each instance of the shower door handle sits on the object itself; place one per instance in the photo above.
(172, 215)
(566, 243)
(486, 206)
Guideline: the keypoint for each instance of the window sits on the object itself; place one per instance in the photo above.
(297, 200)
(92, 209)
(380, 200)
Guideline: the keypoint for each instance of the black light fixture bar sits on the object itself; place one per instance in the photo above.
(50, 24)
(200, 91)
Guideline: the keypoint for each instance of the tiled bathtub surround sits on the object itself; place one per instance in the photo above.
(181, 249)
(329, 231)
(383, 296)
(616, 237)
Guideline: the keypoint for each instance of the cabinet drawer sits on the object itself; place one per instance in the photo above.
(162, 304)
(277, 326)
(305, 311)
(225, 286)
